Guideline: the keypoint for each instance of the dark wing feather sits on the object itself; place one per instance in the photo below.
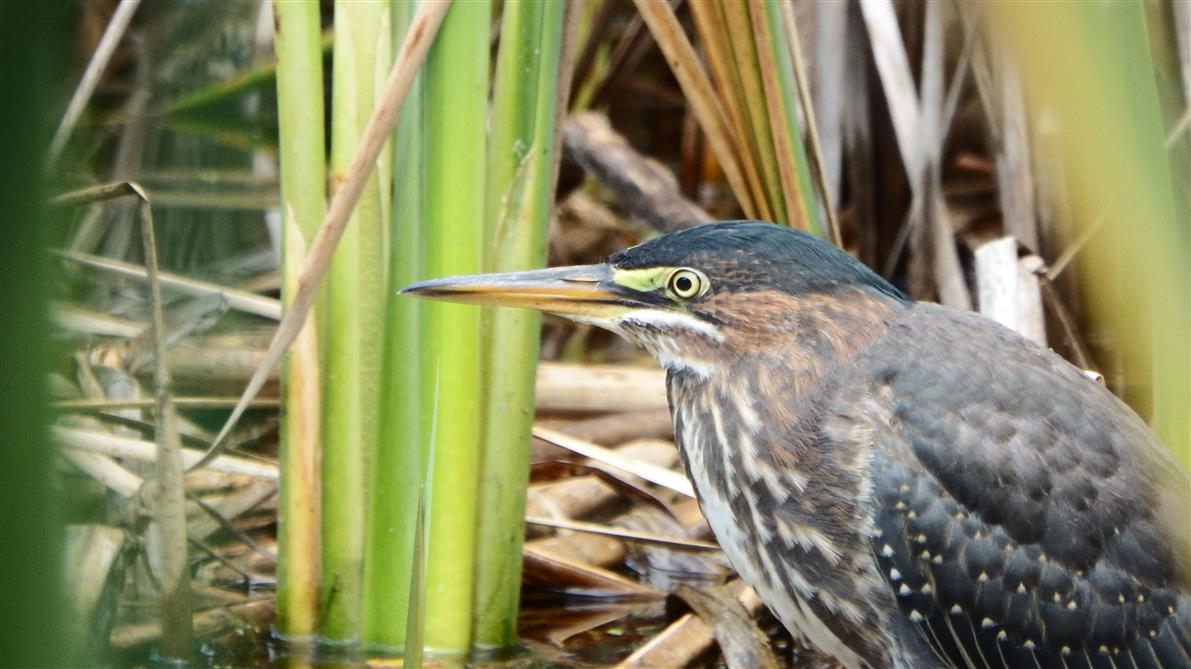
(1026, 516)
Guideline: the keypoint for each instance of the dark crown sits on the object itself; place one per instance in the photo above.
(751, 255)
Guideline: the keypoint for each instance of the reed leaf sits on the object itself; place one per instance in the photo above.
(700, 94)
(708, 22)
(741, 36)
(751, 114)
(802, 180)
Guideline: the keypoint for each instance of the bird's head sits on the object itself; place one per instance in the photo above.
(702, 297)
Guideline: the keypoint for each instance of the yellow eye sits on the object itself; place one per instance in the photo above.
(686, 284)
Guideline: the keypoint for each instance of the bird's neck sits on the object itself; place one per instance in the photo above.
(802, 339)
(788, 506)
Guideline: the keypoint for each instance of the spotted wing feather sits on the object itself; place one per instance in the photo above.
(1026, 516)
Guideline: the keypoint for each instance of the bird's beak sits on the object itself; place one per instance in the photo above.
(582, 291)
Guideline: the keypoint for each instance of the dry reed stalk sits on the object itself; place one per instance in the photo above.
(685, 639)
(618, 428)
(645, 187)
(571, 387)
(668, 34)
(1008, 288)
(249, 303)
(590, 548)
(177, 639)
(667, 478)
(623, 534)
(95, 67)
(146, 451)
(580, 496)
(543, 566)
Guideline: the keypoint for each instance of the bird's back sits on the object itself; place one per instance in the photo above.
(1025, 516)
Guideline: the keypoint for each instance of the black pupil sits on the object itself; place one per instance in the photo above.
(683, 284)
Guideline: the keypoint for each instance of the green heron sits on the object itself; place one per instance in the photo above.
(902, 484)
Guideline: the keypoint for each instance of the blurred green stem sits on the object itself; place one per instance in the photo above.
(1089, 68)
(36, 622)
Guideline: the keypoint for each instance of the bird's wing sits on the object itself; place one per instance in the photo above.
(1026, 517)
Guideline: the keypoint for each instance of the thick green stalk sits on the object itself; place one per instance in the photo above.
(456, 105)
(303, 178)
(355, 320)
(1089, 66)
(399, 464)
(522, 155)
(36, 620)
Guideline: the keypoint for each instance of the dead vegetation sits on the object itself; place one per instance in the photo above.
(931, 161)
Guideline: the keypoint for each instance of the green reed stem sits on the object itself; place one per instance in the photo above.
(455, 110)
(399, 462)
(521, 168)
(303, 178)
(355, 316)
